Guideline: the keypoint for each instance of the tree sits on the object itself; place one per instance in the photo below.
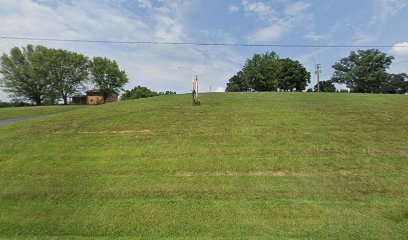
(25, 73)
(395, 83)
(291, 75)
(68, 72)
(260, 72)
(107, 76)
(233, 87)
(364, 71)
(238, 83)
(267, 72)
(139, 92)
(326, 86)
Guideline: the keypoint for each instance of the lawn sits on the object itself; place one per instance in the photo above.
(19, 112)
(241, 165)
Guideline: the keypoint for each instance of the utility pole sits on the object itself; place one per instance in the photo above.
(318, 71)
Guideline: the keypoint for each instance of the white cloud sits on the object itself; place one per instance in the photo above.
(275, 25)
(159, 67)
(296, 9)
(400, 49)
(220, 89)
(144, 3)
(269, 33)
(258, 9)
(233, 9)
(314, 36)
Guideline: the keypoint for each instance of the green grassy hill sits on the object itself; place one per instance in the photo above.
(244, 165)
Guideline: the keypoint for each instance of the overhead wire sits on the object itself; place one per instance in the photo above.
(199, 43)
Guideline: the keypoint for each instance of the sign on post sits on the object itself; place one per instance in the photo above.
(194, 90)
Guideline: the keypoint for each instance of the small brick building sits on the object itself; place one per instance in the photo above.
(93, 97)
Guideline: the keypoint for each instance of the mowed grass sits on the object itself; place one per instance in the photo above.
(241, 165)
(19, 112)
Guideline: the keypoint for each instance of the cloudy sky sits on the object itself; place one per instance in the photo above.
(171, 67)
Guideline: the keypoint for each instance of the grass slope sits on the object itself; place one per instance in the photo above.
(244, 165)
(18, 112)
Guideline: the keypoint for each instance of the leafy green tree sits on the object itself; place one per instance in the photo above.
(395, 84)
(107, 76)
(238, 83)
(26, 73)
(267, 72)
(291, 75)
(363, 71)
(326, 86)
(139, 92)
(233, 87)
(260, 72)
(68, 72)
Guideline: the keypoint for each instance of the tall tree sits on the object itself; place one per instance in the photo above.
(68, 72)
(107, 76)
(267, 72)
(363, 71)
(260, 72)
(25, 73)
(292, 76)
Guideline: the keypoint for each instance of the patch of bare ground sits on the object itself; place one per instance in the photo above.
(341, 172)
(184, 174)
(121, 131)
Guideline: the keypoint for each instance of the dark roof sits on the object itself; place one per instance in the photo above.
(77, 96)
(97, 91)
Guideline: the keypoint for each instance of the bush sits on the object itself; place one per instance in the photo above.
(5, 104)
(138, 92)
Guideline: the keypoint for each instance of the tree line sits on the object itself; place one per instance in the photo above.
(44, 75)
(363, 71)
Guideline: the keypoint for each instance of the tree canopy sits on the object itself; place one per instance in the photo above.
(138, 92)
(267, 72)
(363, 71)
(42, 75)
(68, 72)
(25, 73)
(107, 76)
(326, 86)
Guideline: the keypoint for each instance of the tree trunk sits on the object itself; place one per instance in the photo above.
(65, 100)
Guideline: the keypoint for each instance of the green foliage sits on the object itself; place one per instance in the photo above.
(395, 84)
(26, 73)
(240, 166)
(107, 76)
(139, 92)
(5, 104)
(167, 93)
(363, 71)
(291, 75)
(267, 72)
(68, 72)
(233, 87)
(326, 86)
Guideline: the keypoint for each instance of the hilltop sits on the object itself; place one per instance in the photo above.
(241, 165)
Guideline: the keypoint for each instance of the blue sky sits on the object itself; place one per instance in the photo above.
(168, 67)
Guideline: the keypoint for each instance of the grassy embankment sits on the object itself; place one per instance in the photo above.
(244, 165)
(20, 112)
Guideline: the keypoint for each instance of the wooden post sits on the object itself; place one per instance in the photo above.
(194, 90)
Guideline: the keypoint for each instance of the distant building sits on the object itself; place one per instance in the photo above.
(93, 97)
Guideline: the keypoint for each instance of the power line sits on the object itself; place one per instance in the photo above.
(199, 43)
